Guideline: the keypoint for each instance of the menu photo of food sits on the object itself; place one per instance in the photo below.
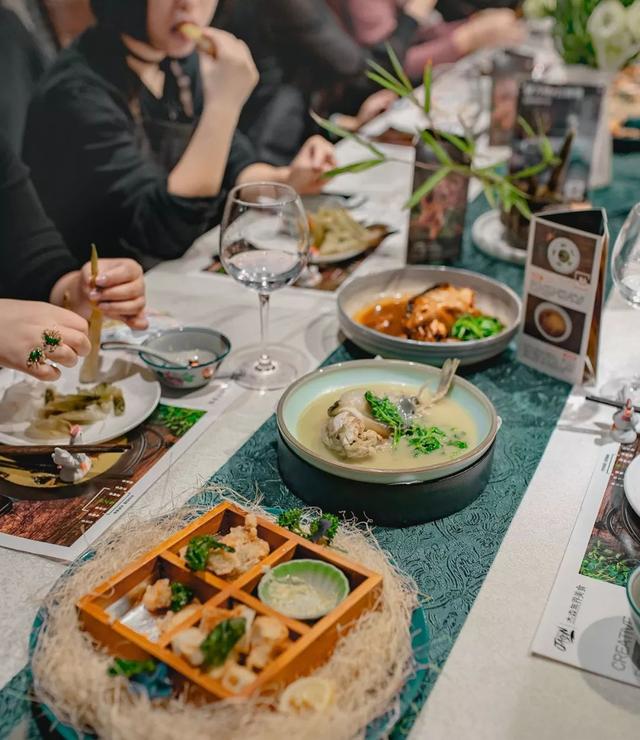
(570, 255)
(550, 322)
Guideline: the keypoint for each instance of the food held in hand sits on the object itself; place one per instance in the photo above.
(203, 42)
(383, 425)
(91, 364)
(228, 555)
(61, 413)
(334, 231)
(443, 313)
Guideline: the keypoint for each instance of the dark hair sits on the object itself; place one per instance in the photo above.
(126, 16)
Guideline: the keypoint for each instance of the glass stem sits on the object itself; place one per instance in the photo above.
(264, 364)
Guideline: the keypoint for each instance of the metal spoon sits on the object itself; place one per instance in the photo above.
(138, 349)
(408, 406)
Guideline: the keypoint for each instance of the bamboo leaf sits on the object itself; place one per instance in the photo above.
(436, 147)
(526, 127)
(461, 144)
(535, 169)
(344, 134)
(397, 66)
(426, 81)
(522, 205)
(427, 186)
(489, 194)
(387, 84)
(365, 164)
(384, 72)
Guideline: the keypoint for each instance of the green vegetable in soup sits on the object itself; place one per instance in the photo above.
(425, 439)
(386, 412)
(199, 548)
(181, 595)
(221, 641)
(130, 668)
(468, 327)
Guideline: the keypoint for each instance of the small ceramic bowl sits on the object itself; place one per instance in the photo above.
(330, 582)
(187, 341)
(633, 595)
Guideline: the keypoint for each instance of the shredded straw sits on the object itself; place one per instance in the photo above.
(368, 667)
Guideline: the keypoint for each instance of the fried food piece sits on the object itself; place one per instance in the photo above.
(187, 644)
(158, 595)
(237, 677)
(249, 549)
(434, 312)
(268, 636)
(173, 619)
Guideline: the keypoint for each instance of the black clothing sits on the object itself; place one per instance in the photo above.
(456, 10)
(101, 147)
(124, 16)
(306, 58)
(22, 65)
(32, 254)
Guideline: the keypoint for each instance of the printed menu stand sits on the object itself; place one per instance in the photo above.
(563, 293)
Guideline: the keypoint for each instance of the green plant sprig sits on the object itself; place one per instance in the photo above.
(498, 188)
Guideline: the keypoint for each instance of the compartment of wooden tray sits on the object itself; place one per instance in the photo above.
(107, 611)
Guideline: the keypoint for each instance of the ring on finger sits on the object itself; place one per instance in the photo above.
(51, 340)
(36, 357)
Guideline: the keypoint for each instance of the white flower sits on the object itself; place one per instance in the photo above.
(539, 8)
(633, 20)
(612, 40)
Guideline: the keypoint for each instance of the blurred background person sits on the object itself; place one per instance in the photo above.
(132, 139)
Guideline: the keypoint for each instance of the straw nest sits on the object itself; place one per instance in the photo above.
(368, 667)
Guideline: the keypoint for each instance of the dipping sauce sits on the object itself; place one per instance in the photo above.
(193, 358)
(292, 594)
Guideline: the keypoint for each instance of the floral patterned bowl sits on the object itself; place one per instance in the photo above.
(210, 346)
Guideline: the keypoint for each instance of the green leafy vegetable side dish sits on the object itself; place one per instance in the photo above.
(386, 412)
(468, 327)
(181, 595)
(199, 548)
(323, 529)
(221, 641)
(130, 668)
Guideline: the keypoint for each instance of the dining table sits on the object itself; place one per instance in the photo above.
(484, 682)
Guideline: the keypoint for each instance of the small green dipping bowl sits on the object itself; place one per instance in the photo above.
(323, 577)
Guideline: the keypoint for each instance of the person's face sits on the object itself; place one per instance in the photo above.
(164, 16)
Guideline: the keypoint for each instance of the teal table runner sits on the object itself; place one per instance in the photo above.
(448, 558)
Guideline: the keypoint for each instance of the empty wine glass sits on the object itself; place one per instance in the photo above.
(264, 244)
(625, 270)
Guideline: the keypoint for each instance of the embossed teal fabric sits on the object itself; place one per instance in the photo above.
(448, 558)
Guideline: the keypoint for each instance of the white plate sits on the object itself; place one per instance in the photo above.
(489, 236)
(332, 259)
(632, 485)
(141, 395)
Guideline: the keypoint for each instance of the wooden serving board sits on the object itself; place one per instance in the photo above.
(309, 645)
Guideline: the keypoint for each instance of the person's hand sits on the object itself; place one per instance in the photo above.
(119, 291)
(21, 332)
(230, 78)
(375, 105)
(419, 10)
(306, 171)
(494, 27)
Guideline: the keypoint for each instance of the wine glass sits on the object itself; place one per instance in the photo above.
(264, 244)
(625, 270)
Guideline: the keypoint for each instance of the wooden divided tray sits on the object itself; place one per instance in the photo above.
(104, 612)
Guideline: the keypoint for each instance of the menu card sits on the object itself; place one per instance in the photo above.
(554, 111)
(587, 620)
(563, 293)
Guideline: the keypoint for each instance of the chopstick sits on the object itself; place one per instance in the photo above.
(25, 450)
(610, 402)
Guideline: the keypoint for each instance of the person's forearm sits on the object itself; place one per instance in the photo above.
(200, 172)
(261, 172)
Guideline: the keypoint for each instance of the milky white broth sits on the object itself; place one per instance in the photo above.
(447, 414)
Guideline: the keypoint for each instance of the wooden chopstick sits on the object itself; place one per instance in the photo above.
(25, 450)
(610, 402)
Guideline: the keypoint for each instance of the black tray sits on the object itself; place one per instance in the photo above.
(390, 505)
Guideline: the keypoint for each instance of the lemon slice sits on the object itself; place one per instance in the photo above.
(307, 695)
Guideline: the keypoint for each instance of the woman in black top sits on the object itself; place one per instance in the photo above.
(131, 138)
(38, 274)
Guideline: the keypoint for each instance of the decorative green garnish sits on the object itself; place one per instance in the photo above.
(424, 440)
(129, 668)
(461, 444)
(320, 530)
(181, 595)
(221, 641)
(468, 327)
(386, 412)
(199, 548)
